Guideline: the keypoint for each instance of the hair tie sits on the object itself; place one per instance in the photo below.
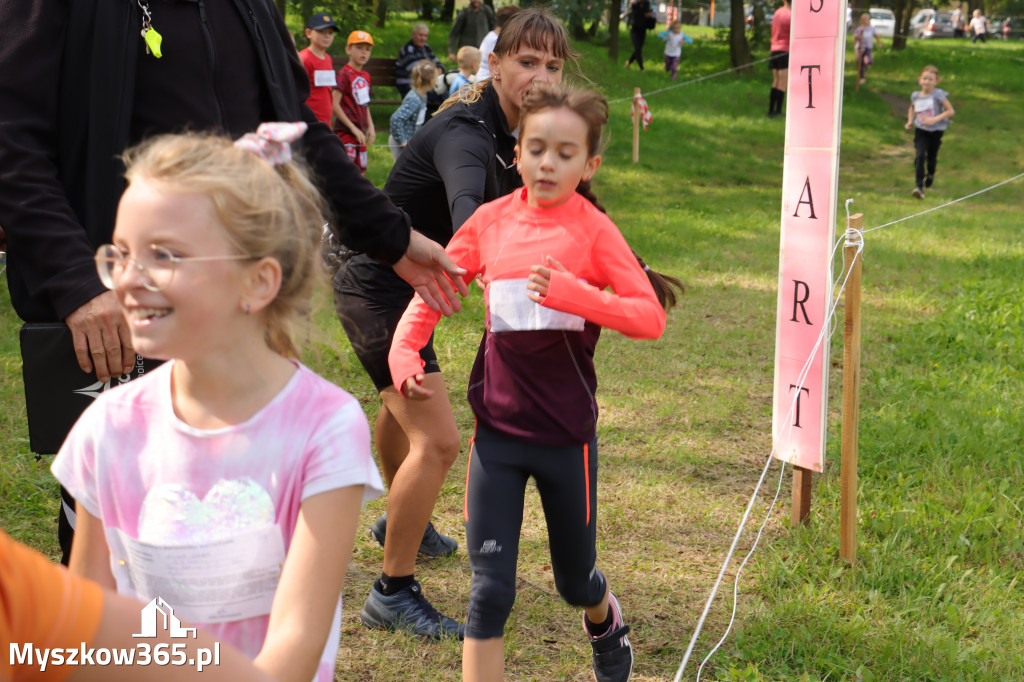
(270, 142)
(647, 268)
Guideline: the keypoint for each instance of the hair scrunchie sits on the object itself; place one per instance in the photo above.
(271, 141)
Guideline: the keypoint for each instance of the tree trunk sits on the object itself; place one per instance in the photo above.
(739, 49)
(448, 11)
(382, 13)
(576, 28)
(613, 30)
(427, 10)
(592, 31)
(902, 9)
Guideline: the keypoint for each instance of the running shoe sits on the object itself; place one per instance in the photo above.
(613, 654)
(928, 180)
(918, 192)
(432, 545)
(409, 611)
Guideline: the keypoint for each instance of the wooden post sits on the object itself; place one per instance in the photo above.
(636, 127)
(801, 495)
(851, 403)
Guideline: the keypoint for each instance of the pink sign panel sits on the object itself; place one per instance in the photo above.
(814, 100)
(810, 100)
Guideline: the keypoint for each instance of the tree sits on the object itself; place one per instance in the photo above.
(902, 9)
(739, 50)
(613, 30)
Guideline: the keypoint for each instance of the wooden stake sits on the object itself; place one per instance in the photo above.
(851, 404)
(801, 495)
(636, 127)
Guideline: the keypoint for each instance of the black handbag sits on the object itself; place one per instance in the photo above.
(57, 391)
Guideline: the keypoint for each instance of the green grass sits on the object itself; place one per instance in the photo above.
(936, 593)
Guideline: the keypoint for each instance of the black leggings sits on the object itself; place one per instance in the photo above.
(926, 144)
(566, 478)
(638, 38)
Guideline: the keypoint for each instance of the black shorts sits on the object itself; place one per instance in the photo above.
(370, 326)
(778, 61)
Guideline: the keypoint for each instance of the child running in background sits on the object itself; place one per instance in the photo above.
(468, 58)
(864, 40)
(674, 39)
(545, 255)
(928, 115)
(352, 120)
(231, 465)
(408, 118)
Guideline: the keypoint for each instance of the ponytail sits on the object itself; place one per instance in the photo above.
(664, 285)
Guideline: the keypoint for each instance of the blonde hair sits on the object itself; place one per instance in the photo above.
(423, 74)
(932, 68)
(467, 56)
(266, 211)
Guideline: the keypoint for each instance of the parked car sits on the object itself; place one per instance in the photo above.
(1007, 28)
(929, 23)
(884, 21)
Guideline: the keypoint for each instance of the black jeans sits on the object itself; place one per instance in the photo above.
(638, 36)
(926, 144)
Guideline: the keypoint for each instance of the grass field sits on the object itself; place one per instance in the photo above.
(937, 591)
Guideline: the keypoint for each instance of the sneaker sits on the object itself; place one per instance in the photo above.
(613, 654)
(433, 545)
(918, 192)
(409, 611)
(928, 180)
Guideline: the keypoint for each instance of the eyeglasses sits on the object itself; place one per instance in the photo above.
(155, 267)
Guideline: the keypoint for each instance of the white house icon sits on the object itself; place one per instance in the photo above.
(170, 621)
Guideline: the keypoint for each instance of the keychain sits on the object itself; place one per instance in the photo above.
(149, 34)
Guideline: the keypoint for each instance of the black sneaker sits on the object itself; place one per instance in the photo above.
(433, 545)
(928, 180)
(613, 654)
(409, 611)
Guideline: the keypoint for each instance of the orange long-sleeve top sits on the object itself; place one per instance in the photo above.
(534, 377)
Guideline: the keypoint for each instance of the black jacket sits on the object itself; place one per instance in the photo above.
(459, 159)
(69, 105)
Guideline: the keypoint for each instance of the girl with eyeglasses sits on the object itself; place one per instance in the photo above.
(224, 487)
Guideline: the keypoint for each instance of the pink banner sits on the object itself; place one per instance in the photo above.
(809, 182)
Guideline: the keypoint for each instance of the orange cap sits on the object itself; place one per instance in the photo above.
(359, 37)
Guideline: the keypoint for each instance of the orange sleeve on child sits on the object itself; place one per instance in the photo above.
(44, 605)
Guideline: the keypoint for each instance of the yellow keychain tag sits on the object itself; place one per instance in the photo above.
(153, 40)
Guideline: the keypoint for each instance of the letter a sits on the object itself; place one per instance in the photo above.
(809, 201)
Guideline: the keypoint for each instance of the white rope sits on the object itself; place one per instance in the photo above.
(689, 82)
(949, 203)
(827, 330)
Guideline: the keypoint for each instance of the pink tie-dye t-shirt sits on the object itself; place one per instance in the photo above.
(135, 466)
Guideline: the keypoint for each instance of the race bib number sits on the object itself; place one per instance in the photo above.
(211, 582)
(511, 310)
(323, 79)
(924, 106)
(361, 92)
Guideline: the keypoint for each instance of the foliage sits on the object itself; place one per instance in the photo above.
(685, 421)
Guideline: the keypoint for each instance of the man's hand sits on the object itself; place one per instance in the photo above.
(429, 270)
(101, 337)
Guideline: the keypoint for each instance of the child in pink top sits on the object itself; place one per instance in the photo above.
(779, 59)
(546, 256)
(225, 486)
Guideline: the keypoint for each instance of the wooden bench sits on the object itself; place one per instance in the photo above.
(382, 75)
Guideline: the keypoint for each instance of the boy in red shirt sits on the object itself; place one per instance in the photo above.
(320, 31)
(352, 98)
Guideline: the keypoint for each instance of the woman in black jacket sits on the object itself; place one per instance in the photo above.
(640, 16)
(460, 159)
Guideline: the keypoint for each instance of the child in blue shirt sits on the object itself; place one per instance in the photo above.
(411, 115)
(469, 61)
